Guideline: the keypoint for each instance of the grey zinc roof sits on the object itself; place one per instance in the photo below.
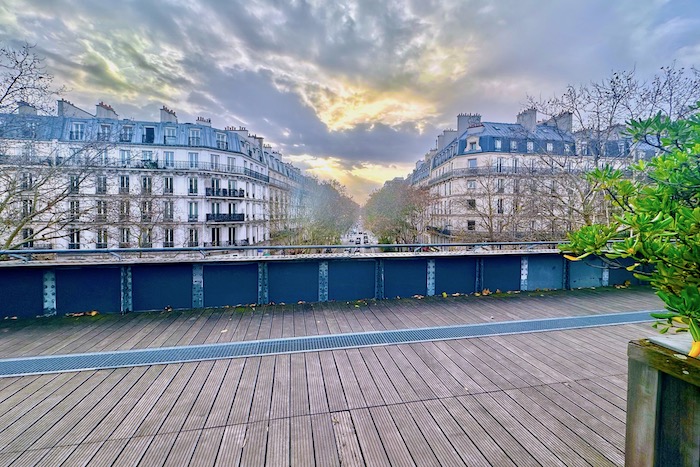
(515, 130)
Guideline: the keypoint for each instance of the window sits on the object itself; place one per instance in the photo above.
(193, 212)
(101, 185)
(124, 237)
(146, 156)
(124, 210)
(146, 185)
(471, 225)
(149, 135)
(127, 134)
(471, 184)
(221, 141)
(230, 164)
(27, 181)
(77, 131)
(168, 210)
(169, 158)
(146, 211)
(168, 237)
(123, 184)
(193, 238)
(471, 163)
(584, 148)
(192, 186)
(104, 132)
(499, 206)
(550, 147)
(500, 163)
(74, 210)
(28, 237)
(195, 139)
(500, 185)
(193, 158)
(621, 148)
(102, 157)
(513, 145)
(497, 144)
(125, 157)
(167, 185)
(471, 204)
(214, 162)
(101, 211)
(530, 146)
(472, 146)
(101, 238)
(516, 186)
(170, 135)
(146, 238)
(27, 207)
(73, 239)
(567, 148)
(74, 186)
(231, 187)
(215, 208)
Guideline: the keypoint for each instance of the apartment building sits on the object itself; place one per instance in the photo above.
(78, 180)
(493, 181)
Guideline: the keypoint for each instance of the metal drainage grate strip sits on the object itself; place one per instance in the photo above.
(127, 358)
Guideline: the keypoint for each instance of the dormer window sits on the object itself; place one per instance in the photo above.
(127, 134)
(550, 147)
(567, 149)
(195, 137)
(497, 144)
(530, 146)
(77, 132)
(513, 145)
(221, 142)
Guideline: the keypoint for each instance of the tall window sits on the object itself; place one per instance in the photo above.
(73, 239)
(170, 134)
(27, 181)
(192, 186)
(499, 206)
(471, 184)
(74, 210)
(169, 158)
(215, 208)
(146, 156)
(101, 211)
(497, 144)
(221, 141)
(230, 164)
(168, 237)
(124, 209)
(500, 185)
(123, 184)
(74, 186)
(124, 237)
(77, 131)
(168, 210)
(146, 211)
(28, 237)
(104, 132)
(127, 134)
(195, 138)
(513, 145)
(101, 238)
(567, 148)
(101, 185)
(125, 157)
(500, 163)
(550, 147)
(214, 162)
(530, 146)
(146, 185)
(192, 212)
(193, 237)
(193, 158)
(27, 207)
(167, 185)
(146, 238)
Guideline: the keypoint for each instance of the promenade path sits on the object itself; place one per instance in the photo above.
(542, 398)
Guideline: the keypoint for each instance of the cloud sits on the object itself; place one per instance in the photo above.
(361, 85)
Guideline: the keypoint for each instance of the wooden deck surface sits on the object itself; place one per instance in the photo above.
(551, 398)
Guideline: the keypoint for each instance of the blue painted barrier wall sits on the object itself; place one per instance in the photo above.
(29, 290)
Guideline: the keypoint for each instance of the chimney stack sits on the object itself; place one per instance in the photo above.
(103, 110)
(167, 115)
(204, 121)
(25, 108)
(465, 121)
(528, 119)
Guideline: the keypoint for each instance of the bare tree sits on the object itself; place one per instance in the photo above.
(398, 212)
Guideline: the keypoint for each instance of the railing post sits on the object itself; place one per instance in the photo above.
(431, 278)
(126, 290)
(263, 293)
(379, 279)
(197, 286)
(605, 280)
(323, 281)
(479, 276)
(49, 293)
(524, 269)
(567, 273)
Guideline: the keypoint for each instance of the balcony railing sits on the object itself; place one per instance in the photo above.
(237, 217)
(101, 245)
(225, 193)
(168, 244)
(125, 137)
(74, 246)
(193, 218)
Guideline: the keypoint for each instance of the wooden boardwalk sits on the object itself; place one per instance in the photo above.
(551, 398)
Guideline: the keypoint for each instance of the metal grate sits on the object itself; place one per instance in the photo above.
(192, 353)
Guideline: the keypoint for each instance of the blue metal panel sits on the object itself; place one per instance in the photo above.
(22, 292)
(405, 277)
(161, 285)
(586, 273)
(501, 273)
(455, 275)
(351, 280)
(290, 282)
(618, 276)
(545, 272)
(230, 284)
(88, 288)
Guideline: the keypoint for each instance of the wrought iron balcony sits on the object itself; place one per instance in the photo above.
(237, 217)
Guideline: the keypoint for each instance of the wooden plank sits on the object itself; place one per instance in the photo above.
(433, 434)
(109, 451)
(368, 438)
(382, 381)
(301, 441)
(347, 443)
(348, 380)
(221, 408)
(278, 436)
(231, 446)
(82, 454)
(280, 404)
(318, 403)
(197, 418)
(325, 450)
(185, 400)
(298, 390)
(400, 383)
(159, 449)
(483, 383)
(133, 451)
(416, 443)
(392, 440)
(331, 380)
(240, 409)
(207, 447)
(183, 447)
(262, 397)
(370, 392)
(434, 384)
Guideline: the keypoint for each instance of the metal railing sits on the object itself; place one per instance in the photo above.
(237, 217)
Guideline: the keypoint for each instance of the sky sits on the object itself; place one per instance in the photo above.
(354, 90)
